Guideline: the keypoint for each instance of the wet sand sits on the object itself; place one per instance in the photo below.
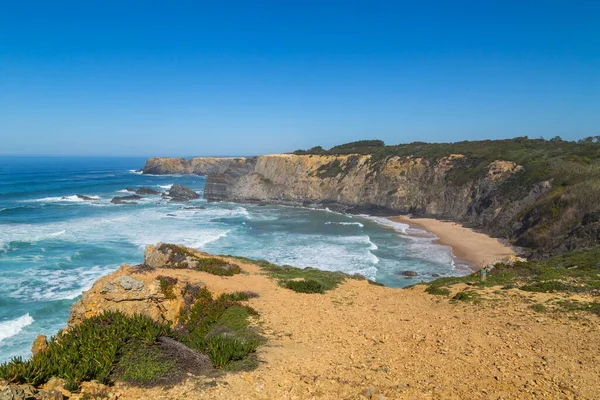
(467, 244)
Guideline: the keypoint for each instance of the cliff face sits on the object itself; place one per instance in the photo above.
(356, 183)
(494, 198)
(197, 166)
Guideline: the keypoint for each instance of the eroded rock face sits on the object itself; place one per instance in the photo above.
(130, 293)
(146, 191)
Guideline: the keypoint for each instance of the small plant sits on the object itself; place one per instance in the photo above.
(538, 307)
(240, 296)
(466, 296)
(143, 364)
(305, 286)
(167, 286)
(437, 291)
(217, 266)
(224, 349)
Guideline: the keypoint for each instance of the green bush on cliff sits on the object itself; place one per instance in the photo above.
(217, 266)
(86, 352)
(136, 349)
(305, 286)
(208, 319)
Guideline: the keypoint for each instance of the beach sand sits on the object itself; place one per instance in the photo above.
(467, 244)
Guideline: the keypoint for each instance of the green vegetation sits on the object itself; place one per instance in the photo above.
(89, 351)
(142, 364)
(330, 170)
(305, 286)
(136, 349)
(575, 272)
(208, 319)
(286, 274)
(181, 258)
(167, 284)
(217, 266)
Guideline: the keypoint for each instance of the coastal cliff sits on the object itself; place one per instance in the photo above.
(537, 194)
(198, 166)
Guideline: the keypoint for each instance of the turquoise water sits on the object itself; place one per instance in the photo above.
(53, 245)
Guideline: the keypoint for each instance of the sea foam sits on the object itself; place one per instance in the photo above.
(13, 327)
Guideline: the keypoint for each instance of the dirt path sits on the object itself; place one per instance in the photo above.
(406, 343)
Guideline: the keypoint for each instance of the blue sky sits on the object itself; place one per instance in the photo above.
(253, 77)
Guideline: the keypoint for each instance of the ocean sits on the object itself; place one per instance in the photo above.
(53, 245)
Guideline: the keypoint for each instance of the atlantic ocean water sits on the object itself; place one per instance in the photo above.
(54, 245)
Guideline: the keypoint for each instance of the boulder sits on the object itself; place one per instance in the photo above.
(40, 344)
(180, 193)
(129, 189)
(408, 273)
(125, 199)
(146, 190)
(195, 208)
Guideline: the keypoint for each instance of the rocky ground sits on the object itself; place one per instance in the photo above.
(365, 341)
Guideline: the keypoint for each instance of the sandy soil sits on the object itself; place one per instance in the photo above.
(405, 343)
(467, 244)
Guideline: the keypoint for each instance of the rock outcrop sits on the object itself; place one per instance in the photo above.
(130, 293)
(199, 166)
(125, 199)
(180, 193)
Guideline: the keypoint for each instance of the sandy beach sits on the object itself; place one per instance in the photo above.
(474, 247)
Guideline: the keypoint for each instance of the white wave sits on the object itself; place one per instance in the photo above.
(166, 187)
(135, 171)
(64, 284)
(62, 199)
(13, 327)
(203, 242)
(373, 258)
(344, 223)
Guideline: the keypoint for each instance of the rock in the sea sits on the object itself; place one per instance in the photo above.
(130, 189)
(84, 197)
(125, 199)
(195, 208)
(408, 273)
(435, 275)
(146, 190)
(180, 193)
(39, 344)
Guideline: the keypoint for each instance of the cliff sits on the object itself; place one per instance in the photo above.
(198, 166)
(537, 194)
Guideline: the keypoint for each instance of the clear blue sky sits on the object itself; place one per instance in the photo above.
(250, 77)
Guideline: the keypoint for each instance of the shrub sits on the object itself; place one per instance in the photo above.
(143, 364)
(87, 351)
(305, 286)
(167, 285)
(224, 349)
(438, 291)
(217, 266)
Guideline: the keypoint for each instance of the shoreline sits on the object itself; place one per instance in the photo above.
(467, 244)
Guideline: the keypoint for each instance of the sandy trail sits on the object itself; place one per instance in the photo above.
(406, 343)
(475, 247)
